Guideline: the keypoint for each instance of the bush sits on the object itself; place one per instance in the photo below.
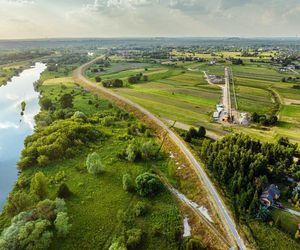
(94, 164)
(138, 150)
(128, 183)
(148, 184)
(46, 209)
(148, 150)
(191, 243)
(193, 132)
(46, 103)
(98, 79)
(188, 137)
(80, 115)
(201, 132)
(140, 209)
(17, 202)
(54, 140)
(134, 237)
(63, 191)
(39, 185)
(107, 121)
(43, 161)
(66, 101)
(62, 225)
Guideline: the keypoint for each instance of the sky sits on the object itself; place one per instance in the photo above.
(148, 18)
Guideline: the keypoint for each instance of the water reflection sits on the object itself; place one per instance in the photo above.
(13, 127)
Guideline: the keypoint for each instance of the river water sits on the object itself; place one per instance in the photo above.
(13, 127)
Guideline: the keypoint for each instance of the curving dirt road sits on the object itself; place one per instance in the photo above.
(219, 204)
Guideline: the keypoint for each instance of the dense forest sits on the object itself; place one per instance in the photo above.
(243, 167)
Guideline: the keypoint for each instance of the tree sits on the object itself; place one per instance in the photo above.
(140, 209)
(66, 101)
(46, 209)
(201, 132)
(62, 224)
(98, 79)
(17, 202)
(39, 185)
(94, 164)
(128, 183)
(43, 160)
(148, 184)
(134, 237)
(188, 137)
(148, 150)
(193, 132)
(255, 117)
(35, 235)
(190, 243)
(263, 213)
(46, 103)
(132, 152)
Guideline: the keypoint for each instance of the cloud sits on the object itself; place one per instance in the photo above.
(7, 125)
(18, 2)
(117, 18)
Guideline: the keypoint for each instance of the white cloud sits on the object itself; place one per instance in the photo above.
(7, 125)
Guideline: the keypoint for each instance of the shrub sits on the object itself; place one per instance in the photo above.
(17, 202)
(98, 79)
(140, 209)
(148, 150)
(66, 101)
(193, 132)
(46, 103)
(148, 184)
(63, 191)
(118, 244)
(54, 140)
(94, 164)
(128, 183)
(43, 161)
(39, 185)
(62, 224)
(201, 132)
(134, 237)
(188, 137)
(107, 121)
(132, 152)
(80, 115)
(46, 209)
(191, 243)
(35, 235)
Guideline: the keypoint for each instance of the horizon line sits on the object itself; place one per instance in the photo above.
(150, 37)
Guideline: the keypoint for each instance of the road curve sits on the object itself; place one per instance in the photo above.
(223, 212)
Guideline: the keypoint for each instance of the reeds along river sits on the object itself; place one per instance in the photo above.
(14, 127)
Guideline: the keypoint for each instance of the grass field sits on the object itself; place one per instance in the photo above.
(181, 93)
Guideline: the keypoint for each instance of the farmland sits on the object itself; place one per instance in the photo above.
(177, 91)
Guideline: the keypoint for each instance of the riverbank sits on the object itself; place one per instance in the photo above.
(13, 126)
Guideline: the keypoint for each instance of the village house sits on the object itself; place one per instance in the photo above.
(270, 195)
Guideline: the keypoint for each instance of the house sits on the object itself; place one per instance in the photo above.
(216, 115)
(284, 69)
(244, 119)
(270, 195)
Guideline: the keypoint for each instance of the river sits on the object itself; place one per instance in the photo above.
(13, 127)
